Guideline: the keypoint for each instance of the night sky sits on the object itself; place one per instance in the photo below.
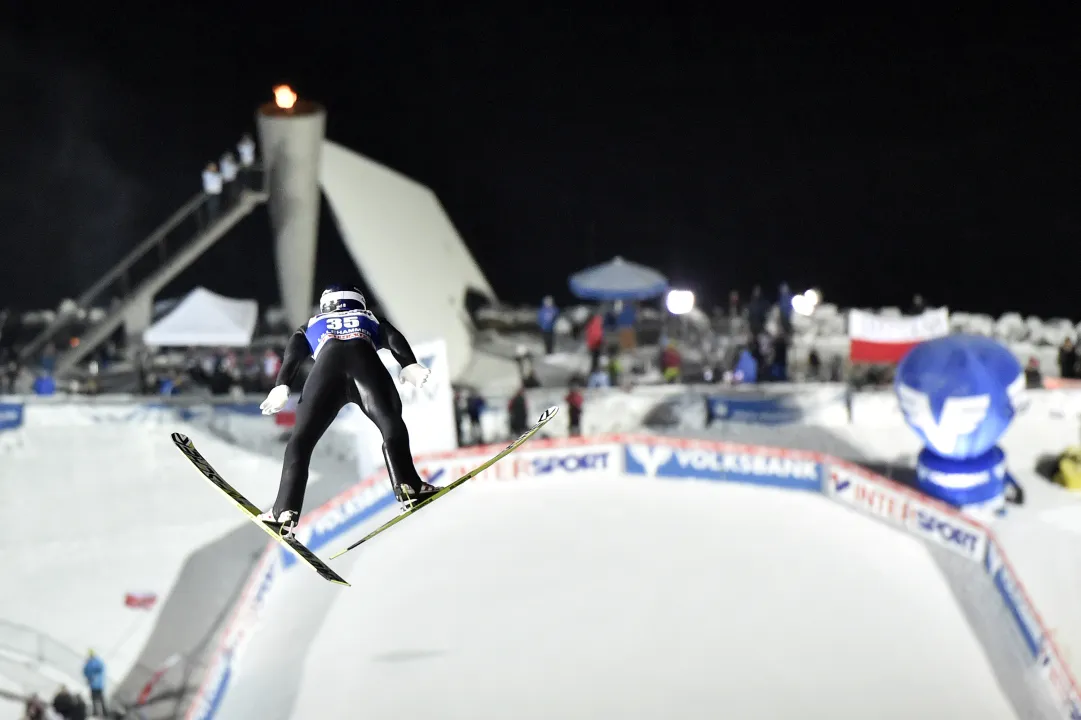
(871, 156)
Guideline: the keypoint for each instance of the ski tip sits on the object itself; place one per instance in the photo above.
(180, 439)
(548, 414)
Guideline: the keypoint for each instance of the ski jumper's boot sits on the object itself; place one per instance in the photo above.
(409, 496)
(284, 522)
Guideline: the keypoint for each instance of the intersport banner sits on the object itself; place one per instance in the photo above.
(878, 339)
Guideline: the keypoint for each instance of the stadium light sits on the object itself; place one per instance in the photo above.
(805, 303)
(680, 302)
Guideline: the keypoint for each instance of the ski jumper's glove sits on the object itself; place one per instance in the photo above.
(276, 400)
(415, 374)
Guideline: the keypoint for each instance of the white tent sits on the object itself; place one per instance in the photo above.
(205, 319)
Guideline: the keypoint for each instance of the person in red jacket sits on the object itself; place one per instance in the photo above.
(574, 401)
(594, 340)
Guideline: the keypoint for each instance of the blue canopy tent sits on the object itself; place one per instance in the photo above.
(618, 279)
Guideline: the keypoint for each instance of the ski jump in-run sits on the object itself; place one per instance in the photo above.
(344, 339)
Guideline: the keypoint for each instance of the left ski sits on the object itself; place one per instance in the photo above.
(541, 421)
(299, 549)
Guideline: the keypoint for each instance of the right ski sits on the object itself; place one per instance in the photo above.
(541, 421)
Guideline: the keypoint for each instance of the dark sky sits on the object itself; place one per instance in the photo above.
(873, 156)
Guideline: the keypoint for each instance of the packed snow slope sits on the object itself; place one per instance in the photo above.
(605, 596)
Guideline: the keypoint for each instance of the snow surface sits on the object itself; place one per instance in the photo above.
(95, 511)
(620, 597)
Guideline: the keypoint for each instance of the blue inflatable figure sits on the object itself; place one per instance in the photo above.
(960, 393)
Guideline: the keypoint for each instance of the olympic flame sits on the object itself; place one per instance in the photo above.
(284, 97)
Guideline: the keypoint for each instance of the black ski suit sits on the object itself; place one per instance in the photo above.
(345, 371)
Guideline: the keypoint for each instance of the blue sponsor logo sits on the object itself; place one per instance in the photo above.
(569, 463)
(1014, 599)
(778, 470)
(946, 532)
(11, 416)
(758, 411)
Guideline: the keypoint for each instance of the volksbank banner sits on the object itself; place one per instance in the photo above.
(780, 468)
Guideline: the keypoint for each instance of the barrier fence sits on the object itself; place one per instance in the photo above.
(670, 459)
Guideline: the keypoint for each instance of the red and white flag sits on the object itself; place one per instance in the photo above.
(877, 339)
(140, 601)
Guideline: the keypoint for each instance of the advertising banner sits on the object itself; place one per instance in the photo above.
(11, 416)
(850, 487)
(758, 466)
(947, 529)
(780, 407)
(1015, 599)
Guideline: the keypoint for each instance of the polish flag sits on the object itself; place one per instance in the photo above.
(877, 339)
(140, 601)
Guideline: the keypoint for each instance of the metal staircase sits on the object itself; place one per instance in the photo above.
(147, 269)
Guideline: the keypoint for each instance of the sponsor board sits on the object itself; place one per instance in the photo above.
(947, 529)
(758, 411)
(1063, 691)
(853, 489)
(778, 468)
(11, 416)
(1015, 599)
(525, 464)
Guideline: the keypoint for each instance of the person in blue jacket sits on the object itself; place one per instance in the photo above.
(546, 319)
(94, 672)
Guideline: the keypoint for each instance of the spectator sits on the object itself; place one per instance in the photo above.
(780, 358)
(474, 408)
(670, 363)
(1033, 377)
(35, 708)
(784, 306)
(94, 672)
(212, 186)
(600, 377)
(594, 341)
(546, 319)
(79, 709)
(228, 177)
(746, 370)
(918, 305)
(518, 413)
(574, 401)
(246, 150)
(64, 703)
(460, 404)
(757, 309)
(272, 362)
(1067, 359)
(814, 366)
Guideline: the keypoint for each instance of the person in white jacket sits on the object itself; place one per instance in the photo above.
(344, 338)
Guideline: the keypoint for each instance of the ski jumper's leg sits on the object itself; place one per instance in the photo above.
(380, 402)
(323, 396)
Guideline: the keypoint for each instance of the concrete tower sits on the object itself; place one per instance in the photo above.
(291, 141)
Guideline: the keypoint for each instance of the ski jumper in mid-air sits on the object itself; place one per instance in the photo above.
(343, 338)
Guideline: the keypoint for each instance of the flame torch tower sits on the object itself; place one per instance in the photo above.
(291, 135)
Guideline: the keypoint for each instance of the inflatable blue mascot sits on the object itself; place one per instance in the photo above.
(960, 393)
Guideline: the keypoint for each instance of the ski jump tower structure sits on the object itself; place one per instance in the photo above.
(291, 133)
(394, 228)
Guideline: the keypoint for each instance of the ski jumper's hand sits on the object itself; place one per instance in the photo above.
(276, 400)
(415, 374)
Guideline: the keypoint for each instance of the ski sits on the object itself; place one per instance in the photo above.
(544, 418)
(299, 549)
